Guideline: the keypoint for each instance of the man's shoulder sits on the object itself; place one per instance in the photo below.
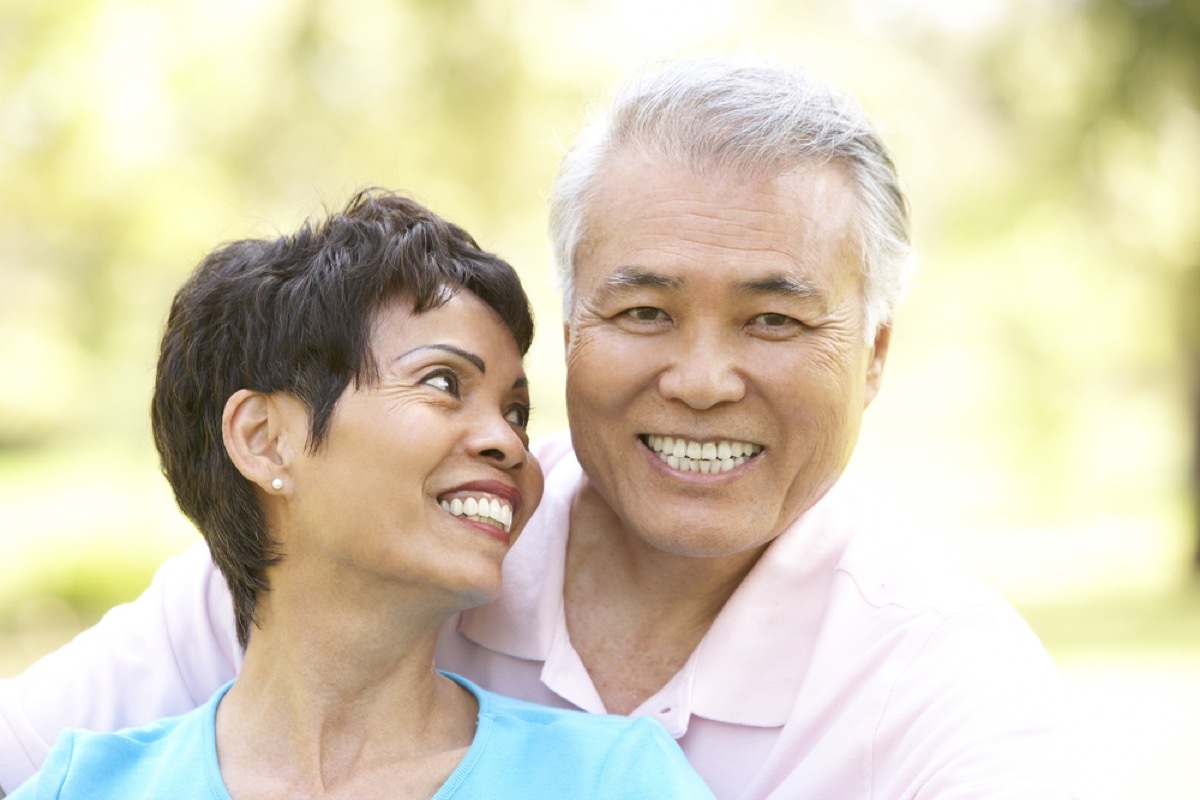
(874, 556)
(945, 626)
(552, 448)
(894, 561)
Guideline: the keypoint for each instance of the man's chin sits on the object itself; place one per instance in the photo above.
(706, 541)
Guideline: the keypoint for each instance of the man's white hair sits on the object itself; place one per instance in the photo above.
(749, 116)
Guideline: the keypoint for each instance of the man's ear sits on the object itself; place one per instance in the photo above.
(877, 356)
(255, 436)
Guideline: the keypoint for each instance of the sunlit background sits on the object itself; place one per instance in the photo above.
(1037, 415)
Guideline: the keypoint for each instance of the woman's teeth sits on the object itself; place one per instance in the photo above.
(703, 457)
(491, 510)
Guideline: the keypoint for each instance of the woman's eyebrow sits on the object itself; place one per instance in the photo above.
(466, 355)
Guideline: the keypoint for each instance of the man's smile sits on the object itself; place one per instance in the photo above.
(706, 458)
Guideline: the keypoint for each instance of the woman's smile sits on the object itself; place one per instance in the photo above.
(488, 502)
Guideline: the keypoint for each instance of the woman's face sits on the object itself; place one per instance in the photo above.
(425, 476)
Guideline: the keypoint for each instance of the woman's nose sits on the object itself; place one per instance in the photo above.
(497, 440)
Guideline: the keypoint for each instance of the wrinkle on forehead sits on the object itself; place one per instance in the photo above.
(723, 203)
(668, 221)
(718, 218)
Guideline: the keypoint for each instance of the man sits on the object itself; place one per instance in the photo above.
(732, 239)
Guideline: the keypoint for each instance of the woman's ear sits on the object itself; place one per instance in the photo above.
(255, 436)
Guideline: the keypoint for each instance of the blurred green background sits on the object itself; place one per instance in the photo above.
(1039, 414)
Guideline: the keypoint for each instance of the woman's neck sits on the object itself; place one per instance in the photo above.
(339, 686)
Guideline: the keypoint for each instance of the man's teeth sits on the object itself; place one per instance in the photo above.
(702, 457)
(481, 509)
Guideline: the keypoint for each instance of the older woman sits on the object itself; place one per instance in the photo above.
(342, 414)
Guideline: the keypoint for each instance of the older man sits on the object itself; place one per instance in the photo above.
(732, 239)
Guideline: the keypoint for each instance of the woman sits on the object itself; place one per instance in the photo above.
(342, 413)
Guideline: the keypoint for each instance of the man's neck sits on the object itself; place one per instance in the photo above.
(634, 613)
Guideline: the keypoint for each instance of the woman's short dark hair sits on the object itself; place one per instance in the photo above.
(295, 315)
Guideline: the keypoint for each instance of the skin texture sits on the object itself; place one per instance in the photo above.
(338, 696)
(712, 307)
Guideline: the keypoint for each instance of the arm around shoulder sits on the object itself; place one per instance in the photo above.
(47, 783)
(160, 655)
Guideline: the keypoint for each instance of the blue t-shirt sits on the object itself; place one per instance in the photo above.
(520, 750)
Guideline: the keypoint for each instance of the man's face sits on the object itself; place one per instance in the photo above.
(717, 314)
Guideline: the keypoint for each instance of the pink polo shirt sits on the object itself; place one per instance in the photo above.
(848, 664)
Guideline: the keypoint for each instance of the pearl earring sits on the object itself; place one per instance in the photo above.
(277, 484)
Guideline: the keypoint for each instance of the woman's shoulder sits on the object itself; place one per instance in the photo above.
(563, 719)
(544, 751)
(521, 712)
(160, 758)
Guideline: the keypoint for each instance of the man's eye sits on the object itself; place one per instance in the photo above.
(773, 320)
(646, 313)
(445, 381)
(518, 415)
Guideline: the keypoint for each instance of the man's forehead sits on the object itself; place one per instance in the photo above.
(669, 226)
(673, 201)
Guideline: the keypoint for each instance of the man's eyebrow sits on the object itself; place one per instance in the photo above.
(449, 348)
(633, 277)
(779, 284)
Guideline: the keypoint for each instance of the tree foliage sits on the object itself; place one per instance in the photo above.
(1111, 124)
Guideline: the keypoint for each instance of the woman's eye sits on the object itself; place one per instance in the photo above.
(444, 381)
(518, 415)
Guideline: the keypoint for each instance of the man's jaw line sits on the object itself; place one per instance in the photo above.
(709, 457)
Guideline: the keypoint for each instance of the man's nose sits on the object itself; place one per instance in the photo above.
(704, 372)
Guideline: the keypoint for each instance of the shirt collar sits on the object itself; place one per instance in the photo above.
(750, 665)
(747, 669)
